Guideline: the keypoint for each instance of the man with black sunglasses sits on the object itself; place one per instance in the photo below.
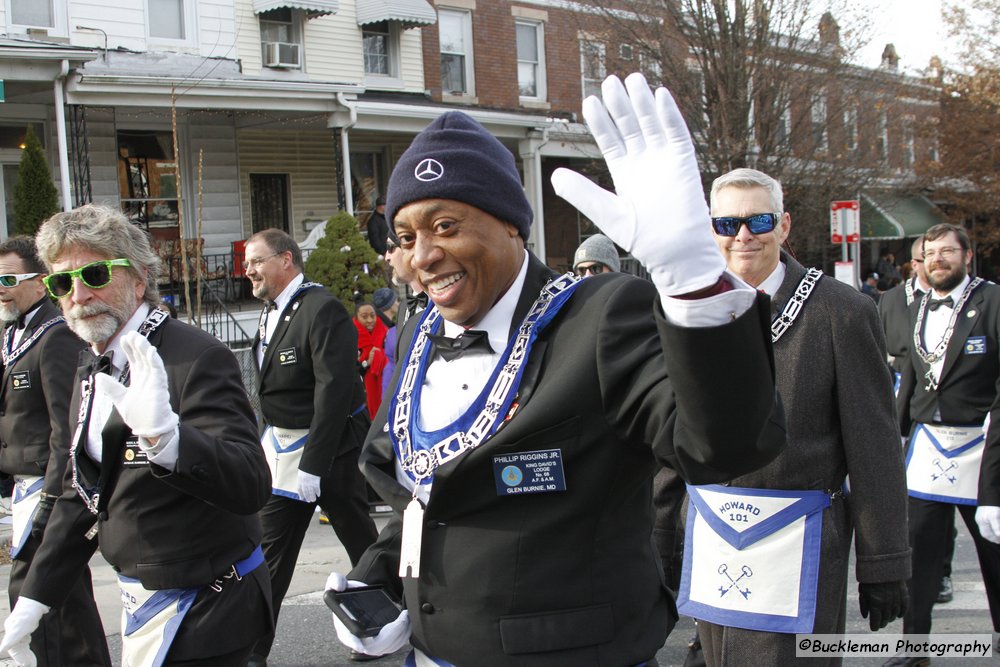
(39, 355)
(829, 353)
(165, 474)
(596, 255)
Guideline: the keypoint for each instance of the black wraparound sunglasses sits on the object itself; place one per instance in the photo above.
(759, 223)
(94, 275)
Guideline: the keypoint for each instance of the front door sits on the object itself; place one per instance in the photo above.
(269, 202)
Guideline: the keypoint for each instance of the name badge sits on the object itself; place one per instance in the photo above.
(133, 456)
(976, 345)
(20, 380)
(287, 357)
(529, 472)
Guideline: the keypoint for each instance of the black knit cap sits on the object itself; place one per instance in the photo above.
(456, 158)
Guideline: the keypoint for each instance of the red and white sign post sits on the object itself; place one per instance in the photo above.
(845, 228)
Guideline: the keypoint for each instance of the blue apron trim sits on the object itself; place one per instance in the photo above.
(250, 563)
(359, 410)
(18, 496)
(934, 497)
(810, 501)
(808, 577)
(297, 444)
(159, 601)
(285, 494)
(950, 453)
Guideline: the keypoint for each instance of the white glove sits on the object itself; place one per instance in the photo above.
(308, 486)
(988, 520)
(659, 214)
(23, 620)
(145, 404)
(390, 638)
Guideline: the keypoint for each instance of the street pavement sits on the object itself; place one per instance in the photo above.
(305, 636)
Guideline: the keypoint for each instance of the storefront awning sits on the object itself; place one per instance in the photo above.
(313, 8)
(890, 215)
(408, 13)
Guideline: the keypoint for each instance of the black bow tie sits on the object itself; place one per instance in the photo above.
(416, 302)
(20, 321)
(100, 364)
(453, 348)
(937, 303)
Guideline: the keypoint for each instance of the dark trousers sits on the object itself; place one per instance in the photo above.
(343, 496)
(931, 524)
(71, 634)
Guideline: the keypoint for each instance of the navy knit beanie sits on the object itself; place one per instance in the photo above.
(456, 158)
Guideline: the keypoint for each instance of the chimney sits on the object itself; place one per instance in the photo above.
(890, 59)
(829, 31)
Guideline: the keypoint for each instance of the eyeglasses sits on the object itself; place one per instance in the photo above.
(15, 279)
(94, 275)
(917, 261)
(759, 223)
(257, 261)
(943, 253)
(592, 269)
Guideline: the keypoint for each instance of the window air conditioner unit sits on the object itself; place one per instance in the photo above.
(281, 54)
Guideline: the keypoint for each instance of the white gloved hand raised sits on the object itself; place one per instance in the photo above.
(308, 486)
(390, 638)
(145, 404)
(23, 620)
(988, 521)
(659, 214)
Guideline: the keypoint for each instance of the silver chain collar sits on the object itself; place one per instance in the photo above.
(932, 357)
(786, 318)
(10, 356)
(421, 463)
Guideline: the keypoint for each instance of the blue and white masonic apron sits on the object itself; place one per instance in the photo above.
(943, 462)
(24, 504)
(283, 449)
(150, 620)
(751, 557)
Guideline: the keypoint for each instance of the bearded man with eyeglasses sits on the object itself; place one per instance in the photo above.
(165, 471)
(953, 457)
(766, 556)
(39, 356)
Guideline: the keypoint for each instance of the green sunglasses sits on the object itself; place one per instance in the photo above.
(15, 279)
(94, 275)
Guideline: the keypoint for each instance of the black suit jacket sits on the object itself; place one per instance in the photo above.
(308, 377)
(969, 387)
(168, 528)
(572, 577)
(34, 412)
(896, 322)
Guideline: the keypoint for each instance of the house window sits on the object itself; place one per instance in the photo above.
(784, 129)
(280, 38)
(530, 60)
(35, 13)
(455, 30)
(851, 128)
(167, 19)
(146, 177)
(592, 67)
(652, 69)
(819, 123)
(909, 143)
(883, 135)
(375, 45)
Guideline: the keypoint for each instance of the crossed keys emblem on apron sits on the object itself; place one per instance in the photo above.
(734, 583)
(944, 471)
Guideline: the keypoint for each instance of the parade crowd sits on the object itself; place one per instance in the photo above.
(571, 460)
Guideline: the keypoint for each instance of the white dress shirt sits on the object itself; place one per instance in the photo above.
(936, 324)
(274, 316)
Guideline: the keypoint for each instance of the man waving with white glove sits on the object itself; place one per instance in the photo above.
(518, 459)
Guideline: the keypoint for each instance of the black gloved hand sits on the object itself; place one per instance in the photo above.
(883, 603)
(41, 518)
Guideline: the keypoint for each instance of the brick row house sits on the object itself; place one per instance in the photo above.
(289, 110)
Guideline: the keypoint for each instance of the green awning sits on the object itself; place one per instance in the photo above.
(890, 215)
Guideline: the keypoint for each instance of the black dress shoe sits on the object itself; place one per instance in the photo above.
(257, 660)
(947, 593)
(358, 656)
(904, 661)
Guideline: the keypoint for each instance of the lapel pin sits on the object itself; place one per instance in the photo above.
(971, 313)
(295, 306)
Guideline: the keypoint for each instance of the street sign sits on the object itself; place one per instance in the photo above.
(845, 221)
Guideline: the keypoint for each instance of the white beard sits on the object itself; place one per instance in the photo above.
(101, 328)
(9, 312)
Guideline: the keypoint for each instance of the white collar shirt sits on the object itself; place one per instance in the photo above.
(772, 283)
(451, 387)
(20, 331)
(936, 324)
(274, 316)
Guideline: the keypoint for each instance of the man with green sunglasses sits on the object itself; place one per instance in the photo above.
(167, 474)
(39, 355)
